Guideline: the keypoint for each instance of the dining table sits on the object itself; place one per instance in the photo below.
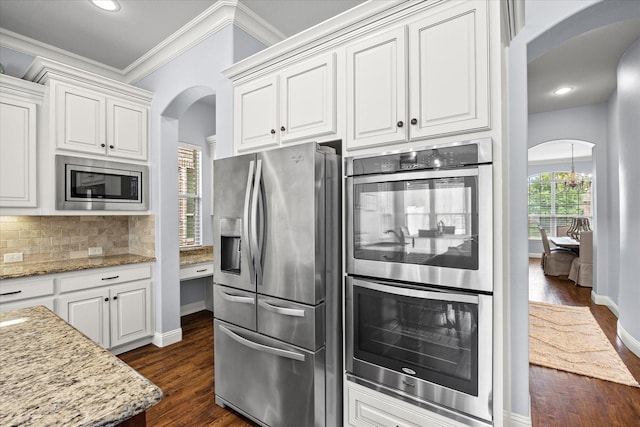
(566, 242)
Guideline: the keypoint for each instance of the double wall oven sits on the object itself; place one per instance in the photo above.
(419, 291)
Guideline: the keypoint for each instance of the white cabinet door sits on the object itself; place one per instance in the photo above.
(308, 99)
(127, 129)
(87, 311)
(130, 312)
(448, 71)
(256, 114)
(79, 118)
(17, 153)
(376, 90)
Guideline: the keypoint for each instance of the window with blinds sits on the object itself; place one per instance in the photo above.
(189, 195)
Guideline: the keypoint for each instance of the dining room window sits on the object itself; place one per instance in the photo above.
(189, 195)
(553, 204)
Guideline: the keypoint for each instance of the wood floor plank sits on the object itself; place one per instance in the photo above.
(561, 398)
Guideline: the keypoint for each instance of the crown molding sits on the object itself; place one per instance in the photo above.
(21, 88)
(23, 44)
(212, 20)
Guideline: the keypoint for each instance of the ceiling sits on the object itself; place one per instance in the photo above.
(118, 39)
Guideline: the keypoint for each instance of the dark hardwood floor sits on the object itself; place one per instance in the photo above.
(184, 372)
(561, 398)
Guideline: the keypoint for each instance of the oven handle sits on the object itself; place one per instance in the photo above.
(264, 348)
(412, 176)
(417, 293)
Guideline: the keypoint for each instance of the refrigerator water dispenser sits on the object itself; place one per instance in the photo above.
(230, 245)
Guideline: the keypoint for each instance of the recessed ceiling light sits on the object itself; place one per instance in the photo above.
(563, 90)
(108, 5)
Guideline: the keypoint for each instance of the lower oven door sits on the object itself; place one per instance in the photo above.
(422, 344)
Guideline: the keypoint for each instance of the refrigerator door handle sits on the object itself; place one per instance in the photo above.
(246, 219)
(264, 348)
(285, 311)
(255, 242)
(237, 298)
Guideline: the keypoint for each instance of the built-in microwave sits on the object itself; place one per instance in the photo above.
(89, 184)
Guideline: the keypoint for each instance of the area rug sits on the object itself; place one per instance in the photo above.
(569, 338)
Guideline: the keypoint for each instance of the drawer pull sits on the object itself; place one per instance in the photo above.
(237, 298)
(110, 278)
(282, 310)
(10, 293)
(202, 271)
(264, 348)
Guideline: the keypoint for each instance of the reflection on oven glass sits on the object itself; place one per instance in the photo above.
(426, 334)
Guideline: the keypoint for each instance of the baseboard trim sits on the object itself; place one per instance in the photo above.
(193, 307)
(631, 343)
(516, 420)
(167, 338)
(605, 300)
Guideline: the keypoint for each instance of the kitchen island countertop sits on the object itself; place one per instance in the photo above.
(52, 375)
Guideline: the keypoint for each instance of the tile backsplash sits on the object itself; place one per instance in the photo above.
(53, 238)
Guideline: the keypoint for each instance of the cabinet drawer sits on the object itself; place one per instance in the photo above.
(104, 278)
(25, 289)
(195, 271)
(235, 306)
(292, 322)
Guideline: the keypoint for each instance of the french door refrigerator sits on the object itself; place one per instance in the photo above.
(277, 292)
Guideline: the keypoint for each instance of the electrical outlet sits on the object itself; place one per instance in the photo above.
(16, 257)
(95, 251)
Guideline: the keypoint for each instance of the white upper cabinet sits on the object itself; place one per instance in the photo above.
(376, 90)
(445, 66)
(308, 99)
(19, 102)
(92, 122)
(448, 72)
(256, 114)
(296, 104)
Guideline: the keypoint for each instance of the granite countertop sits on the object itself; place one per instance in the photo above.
(197, 255)
(52, 375)
(11, 271)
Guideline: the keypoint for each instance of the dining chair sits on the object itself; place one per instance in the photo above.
(561, 230)
(581, 271)
(556, 261)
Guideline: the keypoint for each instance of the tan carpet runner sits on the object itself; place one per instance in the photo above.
(569, 338)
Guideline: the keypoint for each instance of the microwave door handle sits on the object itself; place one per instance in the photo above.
(285, 311)
(246, 219)
(256, 199)
(264, 348)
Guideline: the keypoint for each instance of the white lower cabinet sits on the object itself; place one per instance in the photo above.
(112, 306)
(23, 293)
(110, 316)
(368, 408)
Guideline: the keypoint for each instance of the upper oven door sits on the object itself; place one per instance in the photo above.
(430, 227)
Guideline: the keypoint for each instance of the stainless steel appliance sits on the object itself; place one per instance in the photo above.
(423, 216)
(88, 184)
(277, 293)
(418, 300)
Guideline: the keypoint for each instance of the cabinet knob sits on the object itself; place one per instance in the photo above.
(273, 131)
(115, 298)
(282, 128)
(414, 121)
(103, 145)
(112, 147)
(400, 124)
(106, 299)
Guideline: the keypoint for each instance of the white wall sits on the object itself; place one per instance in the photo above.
(177, 85)
(628, 122)
(540, 33)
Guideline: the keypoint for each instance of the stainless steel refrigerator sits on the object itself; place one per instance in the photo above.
(277, 292)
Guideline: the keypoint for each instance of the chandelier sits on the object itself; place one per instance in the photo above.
(575, 181)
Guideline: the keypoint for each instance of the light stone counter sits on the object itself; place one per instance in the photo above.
(52, 375)
(197, 255)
